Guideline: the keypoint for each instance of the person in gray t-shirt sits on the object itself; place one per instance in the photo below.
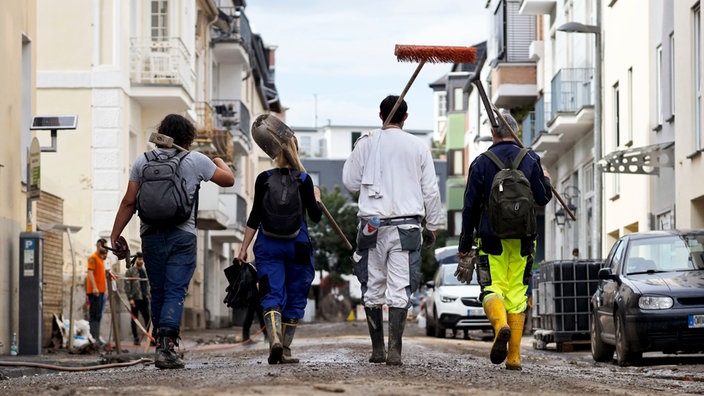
(170, 252)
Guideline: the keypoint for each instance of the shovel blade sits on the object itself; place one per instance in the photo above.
(271, 134)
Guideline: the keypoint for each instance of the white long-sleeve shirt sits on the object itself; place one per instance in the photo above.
(404, 184)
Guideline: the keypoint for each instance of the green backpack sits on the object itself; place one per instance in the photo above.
(511, 207)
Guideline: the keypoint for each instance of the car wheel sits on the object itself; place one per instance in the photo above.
(601, 351)
(429, 326)
(439, 330)
(624, 356)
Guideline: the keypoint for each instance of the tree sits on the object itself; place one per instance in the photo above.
(330, 252)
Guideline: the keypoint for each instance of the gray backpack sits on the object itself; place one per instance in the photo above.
(511, 207)
(162, 198)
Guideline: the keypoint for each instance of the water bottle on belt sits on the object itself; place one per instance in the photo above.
(371, 226)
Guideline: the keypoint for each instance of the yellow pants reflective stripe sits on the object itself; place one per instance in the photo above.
(507, 271)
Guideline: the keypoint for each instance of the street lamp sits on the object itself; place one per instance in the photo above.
(570, 193)
(68, 230)
(576, 27)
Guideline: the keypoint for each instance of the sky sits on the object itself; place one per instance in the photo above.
(335, 59)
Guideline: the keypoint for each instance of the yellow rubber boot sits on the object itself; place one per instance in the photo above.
(496, 313)
(515, 322)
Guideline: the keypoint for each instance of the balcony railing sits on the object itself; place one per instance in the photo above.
(571, 90)
(535, 123)
(241, 215)
(241, 31)
(161, 63)
(233, 115)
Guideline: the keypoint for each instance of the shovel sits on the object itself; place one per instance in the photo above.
(272, 136)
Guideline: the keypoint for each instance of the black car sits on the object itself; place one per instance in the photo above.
(650, 297)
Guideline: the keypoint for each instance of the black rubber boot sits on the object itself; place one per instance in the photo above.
(397, 323)
(166, 356)
(289, 330)
(272, 320)
(375, 321)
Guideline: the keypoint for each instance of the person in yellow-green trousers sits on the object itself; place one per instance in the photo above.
(505, 184)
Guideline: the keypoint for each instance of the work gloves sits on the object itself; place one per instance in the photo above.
(465, 268)
(428, 238)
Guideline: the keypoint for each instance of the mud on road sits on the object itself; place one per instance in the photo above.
(334, 361)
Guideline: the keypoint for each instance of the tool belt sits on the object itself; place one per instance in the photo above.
(394, 221)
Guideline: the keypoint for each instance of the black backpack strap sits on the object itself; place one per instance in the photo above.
(519, 158)
(489, 154)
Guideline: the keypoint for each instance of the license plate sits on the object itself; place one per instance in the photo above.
(479, 312)
(696, 321)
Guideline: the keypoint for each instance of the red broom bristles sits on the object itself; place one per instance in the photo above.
(435, 54)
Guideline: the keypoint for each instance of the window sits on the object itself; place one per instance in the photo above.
(658, 85)
(160, 20)
(355, 136)
(697, 78)
(630, 106)
(671, 74)
(616, 186)
(455, 223)
(665, 221)
(616, 117)
(304, 145)
(322, 148)
(455, 164)
(499, 29)
(457, 99)
(442, 104)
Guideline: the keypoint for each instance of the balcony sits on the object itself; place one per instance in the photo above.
(536, 7)
(212, 208)
(534, 123)
(234, 116)
(572, 112)
(160, 73)
(234, 232)
(233, 47)
(514, 84)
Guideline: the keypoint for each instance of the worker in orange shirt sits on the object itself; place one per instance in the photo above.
(96, 287)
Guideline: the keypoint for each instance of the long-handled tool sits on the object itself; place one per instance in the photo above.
(272, 136)
(164, 141)
(428, 54)
(490, 110)
(121, 249)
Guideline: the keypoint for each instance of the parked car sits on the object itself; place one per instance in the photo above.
(447, 254)
(450, 304)
(650, 297)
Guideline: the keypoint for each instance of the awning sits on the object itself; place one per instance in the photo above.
(644, 160)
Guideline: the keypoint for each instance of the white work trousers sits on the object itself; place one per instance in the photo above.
(391, 265)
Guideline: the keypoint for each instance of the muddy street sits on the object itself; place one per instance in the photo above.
(334, 361)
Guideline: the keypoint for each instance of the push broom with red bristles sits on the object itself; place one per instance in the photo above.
(437, 54)
(428, 54)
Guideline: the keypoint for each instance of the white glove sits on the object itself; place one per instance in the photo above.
(465, 268)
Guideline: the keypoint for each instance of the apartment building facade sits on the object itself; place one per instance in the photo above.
(121, 67)
(608, 87)
(18, 49)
